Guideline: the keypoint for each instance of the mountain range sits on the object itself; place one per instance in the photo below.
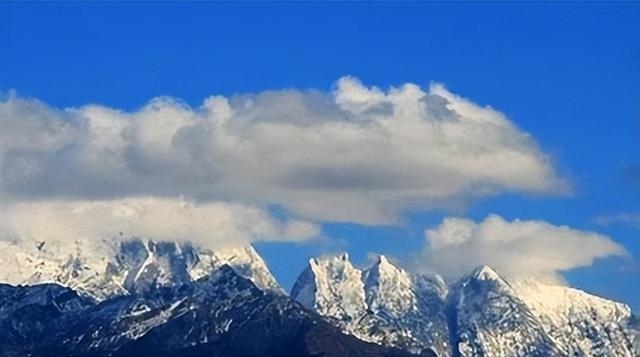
(146, 298)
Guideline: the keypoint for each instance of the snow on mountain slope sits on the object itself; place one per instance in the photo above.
(581, 324)
(243, 259)
(382, 304)
(220, 314)
(488, 320)
(103, 269)
(481, 315)
(388, 289)
(492, 316)
(82, 265)
(411, 307)
(333, 287)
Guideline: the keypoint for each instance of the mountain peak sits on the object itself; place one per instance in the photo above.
(332, 286)
(383, 304)
(481, 315)
(383, 261)
(249, 264)
(330, 259)
(103, 269)
(485, 272)
(388, 287)
(382, 270)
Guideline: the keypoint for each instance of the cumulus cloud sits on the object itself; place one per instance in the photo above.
(166, 219)
(518, 248)
(357, 154)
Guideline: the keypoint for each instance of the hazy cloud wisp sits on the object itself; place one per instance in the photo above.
(628, 218)
(164, 219)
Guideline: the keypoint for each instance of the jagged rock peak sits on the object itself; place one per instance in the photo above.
(107, 268)
(383, 303)
(332, 286)
(388, 288)
(330, 259)
(485, 272)
(246, 262)
(382, 261)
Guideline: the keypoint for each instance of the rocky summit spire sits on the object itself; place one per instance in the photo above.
(485, 272)
(244, 260)
(381, 304)
(332, 286)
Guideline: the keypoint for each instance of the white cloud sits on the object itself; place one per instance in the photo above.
(628, 218)
(518, 248)
(358, 154)
(211, 224)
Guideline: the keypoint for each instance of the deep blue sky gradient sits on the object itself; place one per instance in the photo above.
(568, 73)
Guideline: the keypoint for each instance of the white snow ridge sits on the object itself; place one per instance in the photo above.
(482, 315)
(382, 304)
(107, 269)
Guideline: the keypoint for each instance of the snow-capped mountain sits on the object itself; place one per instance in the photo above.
(486, 319)
(105, 269)
(220, 314)
(499, 317)
(382, 304)
(410, 305)
(481, 315)
(140, 297)
(333, 287)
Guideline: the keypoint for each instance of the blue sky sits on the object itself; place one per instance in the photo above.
(565, 73)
